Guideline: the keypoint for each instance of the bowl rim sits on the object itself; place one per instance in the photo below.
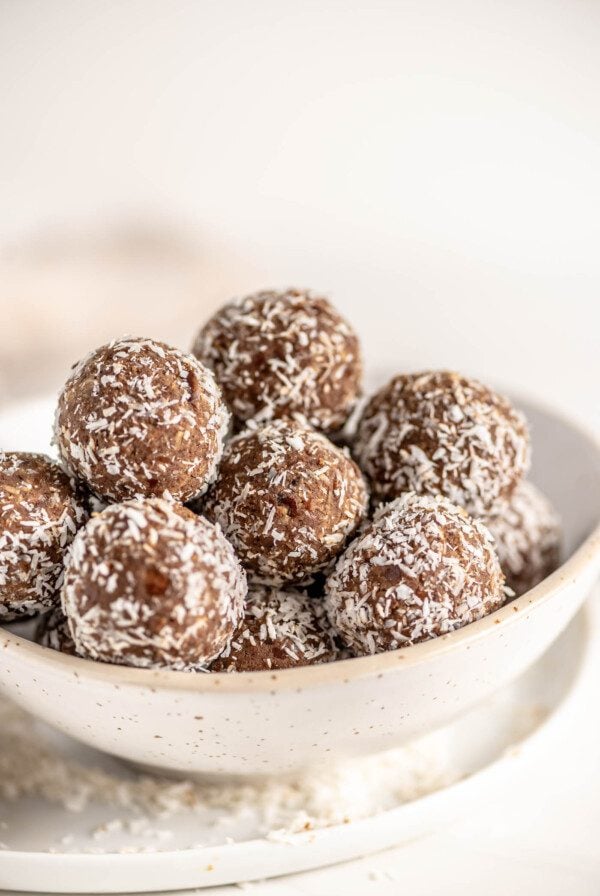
(585, 558)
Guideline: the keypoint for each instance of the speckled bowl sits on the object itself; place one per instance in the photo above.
(276, 722)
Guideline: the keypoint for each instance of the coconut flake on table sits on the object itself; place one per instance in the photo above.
(32, 766)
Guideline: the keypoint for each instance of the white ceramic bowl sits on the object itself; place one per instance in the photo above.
(277, 722)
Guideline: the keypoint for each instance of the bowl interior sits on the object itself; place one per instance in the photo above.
(566, 466)
(257, 723)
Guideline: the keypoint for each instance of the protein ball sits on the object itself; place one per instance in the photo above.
(421, 569)
(527, 537)
(440, 433)
(287, 499)
(150, 584)
(137, 418)
(41, 509)
(284, 354)
(52, 631)
(280, 630)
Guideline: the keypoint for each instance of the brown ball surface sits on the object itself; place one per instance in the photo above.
(421, 569)
(527, 537)
(280, 630)
(148, 583)
(52, 631)
(137, 418)
(284, 354)
(440, 433)
(41, 509)
(287, 499)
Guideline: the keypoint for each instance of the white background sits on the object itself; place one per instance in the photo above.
(433, 166)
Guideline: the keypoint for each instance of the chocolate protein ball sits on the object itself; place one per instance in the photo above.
(527, 536)
(284, 354)
(440, 433)
(52, 631)
(138, 418)
(280, 629)
(420, 569)
(287, 499)
(148, 583)
(41, 509)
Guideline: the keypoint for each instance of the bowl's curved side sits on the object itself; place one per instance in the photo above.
(277, 722)
(276, 731)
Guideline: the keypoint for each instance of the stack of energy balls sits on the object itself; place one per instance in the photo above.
(204, 516)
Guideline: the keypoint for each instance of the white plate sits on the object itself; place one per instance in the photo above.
(480, 749)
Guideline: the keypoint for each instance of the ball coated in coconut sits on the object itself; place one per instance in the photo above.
(284, 354)
(150, 584)
(41, 509)
(288, 500)
(420, 569)
(138, 418)
(438, 432)
(52, 631)
(280, 630)
(527, 537)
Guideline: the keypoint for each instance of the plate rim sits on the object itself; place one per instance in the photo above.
(203, 861)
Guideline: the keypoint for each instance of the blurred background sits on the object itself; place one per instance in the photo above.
(432, 166)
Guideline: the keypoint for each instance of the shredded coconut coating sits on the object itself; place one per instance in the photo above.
(421, 569)
(52, 631)
(149, 584)
(438, 432)
(287, 499)
(138, 418)
(280, 630)
(284, 354)
(527, 536)
(41, 509)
